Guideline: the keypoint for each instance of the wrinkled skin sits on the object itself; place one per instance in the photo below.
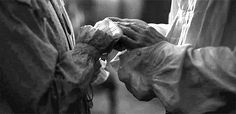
(96, 38)
(101, 41)
(185, 79)
(136, 34)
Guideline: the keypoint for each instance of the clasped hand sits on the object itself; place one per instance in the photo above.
(135, 34)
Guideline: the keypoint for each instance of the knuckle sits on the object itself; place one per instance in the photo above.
(146, 31)
(151, 29)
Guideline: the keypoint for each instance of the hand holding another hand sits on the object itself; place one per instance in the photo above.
(136, 34)
(102, 37)
(119, 34)
(96, 38)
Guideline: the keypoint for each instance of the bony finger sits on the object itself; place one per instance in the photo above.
(84, 33)
(124, 23)
(132, 21)
(159, 35)
(115, 19)
(86, 27)
(129, 32)
(128, 43)
(137, 28)
(137, 22)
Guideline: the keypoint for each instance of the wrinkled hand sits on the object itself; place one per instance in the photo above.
(102, 43)
(96, 38)
(136, 34)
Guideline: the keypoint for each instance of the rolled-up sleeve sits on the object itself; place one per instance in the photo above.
(182, 77)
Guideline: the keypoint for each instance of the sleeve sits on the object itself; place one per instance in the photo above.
(164, 28)
(173, 10)
(180, 76)
(36, 76)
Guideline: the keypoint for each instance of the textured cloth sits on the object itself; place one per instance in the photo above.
(188, 74)
(202, 23)
(186, 80)
(39, 71)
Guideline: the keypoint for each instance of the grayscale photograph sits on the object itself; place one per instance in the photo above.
(117, 56)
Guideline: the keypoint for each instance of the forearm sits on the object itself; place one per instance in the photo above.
(37, 72)
(200, 76)
(217, 64)
(161, 68)
(80, 65)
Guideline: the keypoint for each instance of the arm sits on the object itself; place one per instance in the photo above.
(185, 79)
(178, 75)
(38, 74)
(164, 28)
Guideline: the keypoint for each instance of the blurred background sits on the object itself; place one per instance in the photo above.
(112, 97)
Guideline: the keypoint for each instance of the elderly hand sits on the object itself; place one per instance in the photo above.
(96, 38)
(136, 34)
(102, 37)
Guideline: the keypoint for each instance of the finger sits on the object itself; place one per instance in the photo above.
(136, 28)
(129, 32)
(84, 33)
(115, 19)
(86, 28)
(123, 23)
(134, 25)
(135, 21)
(153, 30)
(127, 43)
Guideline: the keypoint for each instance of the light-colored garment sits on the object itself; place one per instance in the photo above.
(202, 23)
(195, 72)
